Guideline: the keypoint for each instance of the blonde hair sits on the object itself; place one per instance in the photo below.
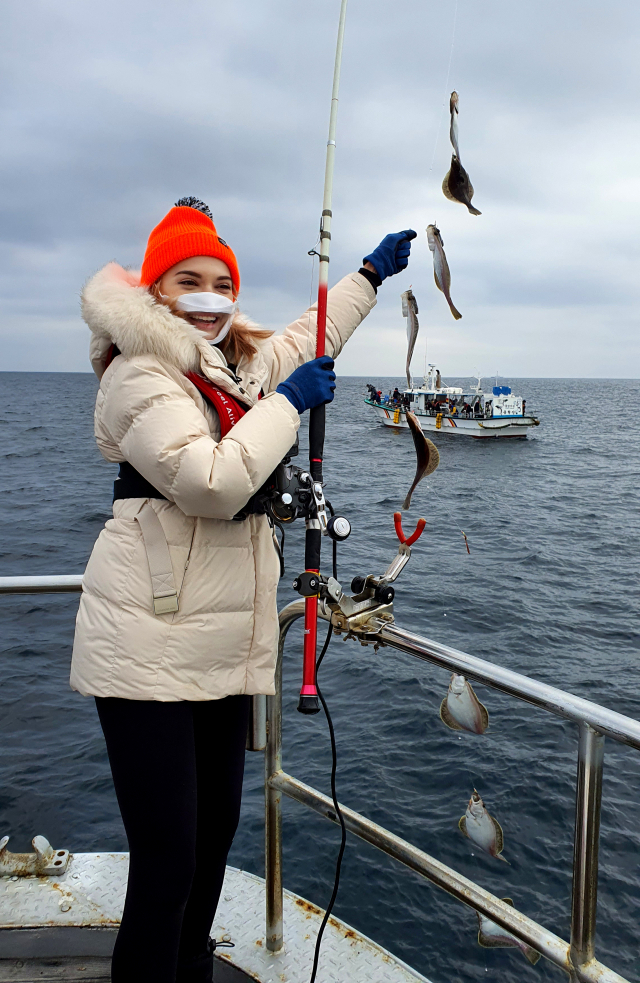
(239, 342)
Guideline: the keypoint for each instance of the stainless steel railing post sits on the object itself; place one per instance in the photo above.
(585, 850)
(273, 796)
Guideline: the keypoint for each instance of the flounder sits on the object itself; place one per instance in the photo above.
(426, 452)
(493, 936)
(410, 311)
(457, 185)
(441, 273)
(461, 709)
(482, 829)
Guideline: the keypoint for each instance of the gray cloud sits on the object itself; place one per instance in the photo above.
(111, 112)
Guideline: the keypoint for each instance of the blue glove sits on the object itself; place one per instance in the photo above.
(311, 385)
(392, 255)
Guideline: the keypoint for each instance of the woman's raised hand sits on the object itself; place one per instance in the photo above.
(392, 255)
(311, 385)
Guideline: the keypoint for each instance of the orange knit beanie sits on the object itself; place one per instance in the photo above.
(187, 230)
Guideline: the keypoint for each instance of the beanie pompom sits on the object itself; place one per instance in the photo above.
(192, 202)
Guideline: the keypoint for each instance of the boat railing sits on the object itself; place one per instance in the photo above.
(594, 723)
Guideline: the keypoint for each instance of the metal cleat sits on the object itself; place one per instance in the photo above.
(43, 863)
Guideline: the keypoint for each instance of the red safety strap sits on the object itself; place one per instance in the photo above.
(229, 410)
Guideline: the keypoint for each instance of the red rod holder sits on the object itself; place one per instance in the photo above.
(397, 518)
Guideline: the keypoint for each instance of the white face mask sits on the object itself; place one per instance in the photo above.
(209, 302)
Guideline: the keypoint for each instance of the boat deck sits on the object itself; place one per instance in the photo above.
(63, 928)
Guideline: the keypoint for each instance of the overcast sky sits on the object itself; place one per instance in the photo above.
(111, 111)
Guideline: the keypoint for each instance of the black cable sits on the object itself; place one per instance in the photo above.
(334, 794)
(281, 546)
(273, 522)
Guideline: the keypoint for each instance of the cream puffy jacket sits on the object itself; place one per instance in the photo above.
(222, 640)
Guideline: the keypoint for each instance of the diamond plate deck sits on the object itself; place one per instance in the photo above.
(90, 895)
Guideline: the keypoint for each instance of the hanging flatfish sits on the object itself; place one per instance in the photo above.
(453, 126)
(457, 185)
(441, 273)
(410, 311)
(493, 936)
(461, 709)
(482, 829)
(426, 452)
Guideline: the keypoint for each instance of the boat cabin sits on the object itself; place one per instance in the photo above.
(453, 401)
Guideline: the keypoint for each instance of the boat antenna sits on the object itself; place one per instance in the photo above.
(316, 525)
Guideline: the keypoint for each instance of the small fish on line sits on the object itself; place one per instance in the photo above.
(441, 273)
(466, 541)
(410, 311)
(453, 125)
(457, 185)
(461, 709)
(493, 936)
(426, 453)
(482, 829)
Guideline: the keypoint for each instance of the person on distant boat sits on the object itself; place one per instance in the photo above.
(396, 395)
(178, 622)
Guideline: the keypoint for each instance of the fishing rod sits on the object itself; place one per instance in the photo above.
(317, 524)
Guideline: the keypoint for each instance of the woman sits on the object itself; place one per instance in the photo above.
(178, 623)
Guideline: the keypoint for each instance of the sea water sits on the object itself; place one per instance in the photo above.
(550, 589)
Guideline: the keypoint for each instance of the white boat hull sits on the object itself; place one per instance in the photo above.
(458, 426)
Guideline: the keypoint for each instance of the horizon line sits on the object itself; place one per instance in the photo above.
(449, 375)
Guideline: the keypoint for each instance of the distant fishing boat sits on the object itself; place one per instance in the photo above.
(452, 410)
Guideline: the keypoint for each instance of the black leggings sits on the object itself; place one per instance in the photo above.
(177, 770)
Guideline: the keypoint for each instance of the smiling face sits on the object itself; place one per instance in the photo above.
(198, 274)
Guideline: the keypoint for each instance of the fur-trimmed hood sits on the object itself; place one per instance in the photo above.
(119, 311)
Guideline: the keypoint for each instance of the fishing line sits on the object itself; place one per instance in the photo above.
(457, 526)
(453, 519)
(446, 85)
(334, 794)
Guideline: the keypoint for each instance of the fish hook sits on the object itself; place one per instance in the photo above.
(397, 519)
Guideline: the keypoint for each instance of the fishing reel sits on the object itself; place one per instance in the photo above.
(290, 493)
(286, 494)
